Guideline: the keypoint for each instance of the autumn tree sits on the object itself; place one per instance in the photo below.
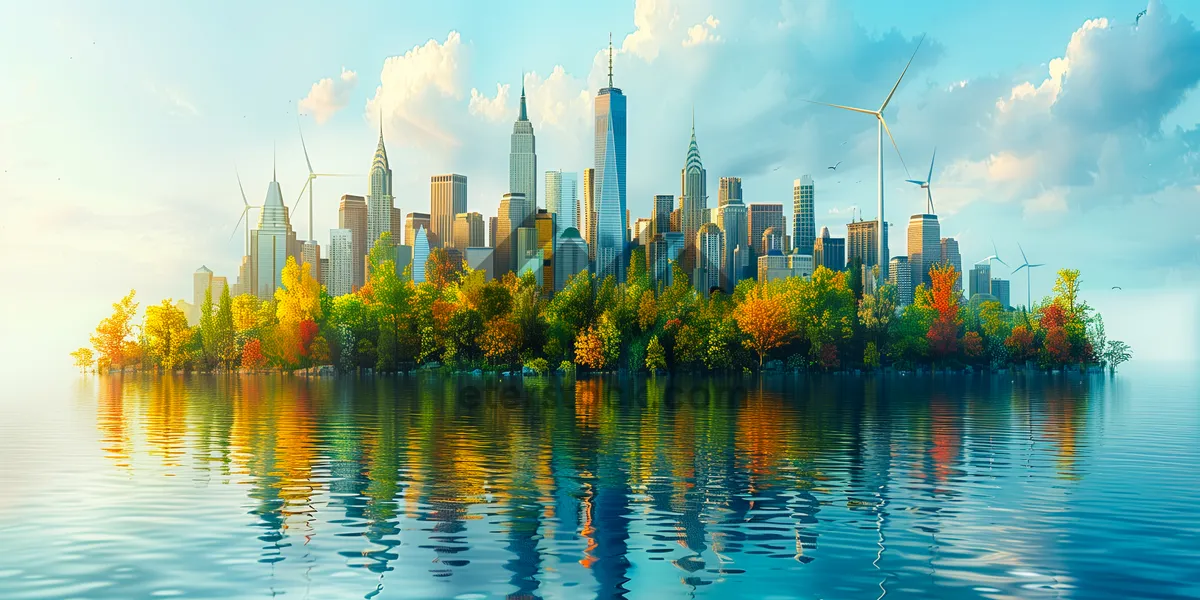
(943, 333)
(876, 311)
(1020, 344)
(167, 335)
(113, 339)
(440, 270)
(656, 358)
(245, 313)
(589, 349)
(499, 341)
(297, 308)
(765, 321)
(83, 359)
(252, 355)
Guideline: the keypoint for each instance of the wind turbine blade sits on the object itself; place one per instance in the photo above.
(243, 190)
(901, 78)
(1037, 265)
(239, 222)
(301, 196)
(894, 145)
(915, 181)
(929, 178)
(929, 196)
(1001, 261)
(336, 175)
(1022, 253)
(1018, 268)
(851, 108)
(304, 147)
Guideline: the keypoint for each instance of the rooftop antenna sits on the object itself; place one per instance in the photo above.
(610, 52)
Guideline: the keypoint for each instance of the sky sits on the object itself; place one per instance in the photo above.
(1070, 130)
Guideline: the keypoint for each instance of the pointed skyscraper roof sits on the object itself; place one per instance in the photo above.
(693, 153)
(523, 116)
(381, 159)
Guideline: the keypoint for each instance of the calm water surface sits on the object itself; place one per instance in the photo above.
(419, 487)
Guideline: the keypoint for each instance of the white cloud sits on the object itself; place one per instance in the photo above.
(329, 95)
(1048, 202)
(653, 21)
(413, 89)
(703, 33)
(492, 109)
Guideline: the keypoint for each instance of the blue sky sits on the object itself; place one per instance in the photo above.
(1063, 127)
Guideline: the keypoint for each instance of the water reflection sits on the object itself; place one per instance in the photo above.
(608, 487)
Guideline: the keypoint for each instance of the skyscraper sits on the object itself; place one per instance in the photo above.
(643, 230)
(352, 216)
(380, 201)
(420, 254)
(662, 213)
(759, 218)
(589, 212)
(570, 258)
(862, 241)
(924, 247)
(480, 259)
(772, 239)
(412, 223)
(1001, 290)
(730, 188)
(510, 214)
(522, 161)
(271, 244)
(829, 252)
(310, 254)
(952, 257)
(900, 275)
(468, 230)
(981, 280)
(447, 198)
(693, 200)
(562, 199)
(732, 220)
(610, 179)
(709, 249)
(664, 249)
(341, 262)
(397, 226)
(804, 232)
(529, 256)
(492, 222)
(201, 280)
(544, 222)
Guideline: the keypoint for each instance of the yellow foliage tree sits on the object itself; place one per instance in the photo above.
(83, 359)
(113, 338)
(764, 319)
(167, 335)
(589, 349)
(245, 312)
(299, 298)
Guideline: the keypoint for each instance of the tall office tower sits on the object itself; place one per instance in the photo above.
(662, 212)
(731, 188)
(710, 243)
(412, 223)
(951, 256)
(628, 229)
(447, 198)
(529, 256)
(379, 201)
(772, 239)
(732, 220)
(310, 254)
(570, 258)
(1000, 289)
(397, 226)
(340, 278)
(420, 254)
(511, 212)
(804, 228)
(468, 230)
(610, 179)
(589, 212)
(663, 250)
(201, 280)
(924, 247)
(862, 241)
(352, 215)
(218, 284)
(829, 252)
(545, 223)
(676, 219)
(271, 244)
(759, 218)
(900, 275)
(643, 230)
(492, 222)
(693, 200)
(562, 199)
(981, 280)
(244, 285)
(522, 162)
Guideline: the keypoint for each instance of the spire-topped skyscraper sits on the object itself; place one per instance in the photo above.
(271, 243)
(380, 201)
(693, 199)
(522, 162)
(610, 178)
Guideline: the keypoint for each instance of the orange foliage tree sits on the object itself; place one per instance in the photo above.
(1019, 344)
(252, 355)
(499, 340)
(943, 333)
(764, 319)
(589, 349)
(113, 338)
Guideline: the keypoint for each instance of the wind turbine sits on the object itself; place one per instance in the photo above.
(308, 184)
(995, 256)
(246, 208)
(925, 184)
(883, 127)
(1028, 278)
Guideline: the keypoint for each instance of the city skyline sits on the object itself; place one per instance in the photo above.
(988, 187)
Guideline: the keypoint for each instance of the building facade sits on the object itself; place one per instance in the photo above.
(509, 217)
(1002, 290)
(924, 247)
(420, 254)
(480, 259)
(545, 223)
(468, 230)
(340, 278)
(710, 242)
(731, 217)
(862, 242)
(412, 223)
(980, 281)
(522, 160)
(829, 252)
(271, 244)
(379, 202)
(804, 234)
(570, 258)
(352, 216)
(759, 218)
(447, 199)
(562, 199)
(589, 212)
(729, 188)
(952, 257)
(310, 254)
(610, 145)
(693, 200)
(900, 275)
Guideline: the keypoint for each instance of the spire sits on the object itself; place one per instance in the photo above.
(273, 162)
(381, 123)
(523, 116)
(610, 83)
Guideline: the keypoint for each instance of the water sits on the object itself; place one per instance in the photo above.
(787, 487)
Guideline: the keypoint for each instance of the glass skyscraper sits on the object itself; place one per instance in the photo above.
(805, 224)
(610, 179)
(562, 199)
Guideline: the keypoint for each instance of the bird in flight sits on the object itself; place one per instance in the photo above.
(1139, 17)
(1116, 287)
(776, 168)
(835, 166)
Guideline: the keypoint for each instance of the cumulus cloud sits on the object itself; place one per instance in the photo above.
(491, 109)
(329, 95)
(703, 32)
(413, 89)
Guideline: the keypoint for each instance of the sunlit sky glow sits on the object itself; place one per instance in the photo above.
(1063, 127)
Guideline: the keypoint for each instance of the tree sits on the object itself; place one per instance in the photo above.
(972, 344)
(871, 355)
(764, 319)
(823, 310)
(647, 311)
(1116, 353)
(943, 333)
(83, 359)
(208, 331)
(227, 349)
(854, 277)
(167, 335)
(113, 337)
(439, 269)
(245, 312)
(656, 358)
(252, 355)
(1020, 344)
(499, 341)
(1056, 349)
(589, 349)
(876, 311)
(1066, 289)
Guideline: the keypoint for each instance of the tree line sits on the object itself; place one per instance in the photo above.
(460, 320)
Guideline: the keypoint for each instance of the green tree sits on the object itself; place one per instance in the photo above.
(227, 348)
(1116, 353)
(876, 312)
(208, 331)
(656, 358)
